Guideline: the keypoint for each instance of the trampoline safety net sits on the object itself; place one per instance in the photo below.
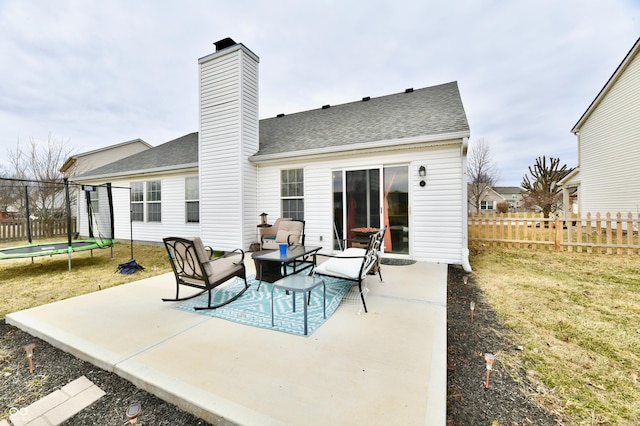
(99, 207)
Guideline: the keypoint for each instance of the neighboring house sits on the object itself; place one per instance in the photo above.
(488, 199)
(86, 161)
(397, 161)
(512, 195)
(83, 162)
(608, 134)
(491, 196)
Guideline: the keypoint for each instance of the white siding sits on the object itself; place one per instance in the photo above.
(435, 210)
(610, 149)
(249, 147)
(228, 135)
(173, 211)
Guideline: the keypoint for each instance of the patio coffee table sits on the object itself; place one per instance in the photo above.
(303, 283)
(272, 266)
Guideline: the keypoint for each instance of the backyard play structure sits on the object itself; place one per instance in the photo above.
(98, 217)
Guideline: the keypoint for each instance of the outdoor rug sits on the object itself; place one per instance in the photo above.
(254, 307)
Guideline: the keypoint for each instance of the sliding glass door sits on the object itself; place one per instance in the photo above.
(362, 201)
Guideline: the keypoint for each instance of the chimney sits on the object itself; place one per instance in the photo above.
(228, 135)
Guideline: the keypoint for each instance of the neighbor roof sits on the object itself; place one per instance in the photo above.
(435, 110)
(509, 189)
(431, 113)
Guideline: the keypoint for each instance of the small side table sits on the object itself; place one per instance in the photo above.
(303, 283)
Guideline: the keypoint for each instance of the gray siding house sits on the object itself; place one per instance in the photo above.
(397, 161)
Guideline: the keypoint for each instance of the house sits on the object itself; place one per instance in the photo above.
(488, 198)
(512, 195)
(86, 161)
(83, 162)
(396, 160)
(492, 195)
(608, 136)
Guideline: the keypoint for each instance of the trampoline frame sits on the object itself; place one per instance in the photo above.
(51, 248)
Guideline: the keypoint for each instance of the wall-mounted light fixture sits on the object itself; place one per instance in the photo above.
(422, 172)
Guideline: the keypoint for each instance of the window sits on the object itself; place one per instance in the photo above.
(486, 205)
(91, 193)
(292, 193)
(151, 199)
(154, 211)
(192, 199)
(137, 201)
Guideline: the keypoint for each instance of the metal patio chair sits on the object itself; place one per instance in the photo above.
(193, 267)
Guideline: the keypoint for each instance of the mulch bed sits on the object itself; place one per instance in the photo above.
(505, 402)
(469, 402)
(54, 368)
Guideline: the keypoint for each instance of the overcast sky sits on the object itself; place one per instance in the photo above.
(97, 73)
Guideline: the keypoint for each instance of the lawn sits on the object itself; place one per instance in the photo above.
(576, 319)
(24, 284)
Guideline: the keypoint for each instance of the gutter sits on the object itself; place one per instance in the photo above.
(131, 173)
(384, 145)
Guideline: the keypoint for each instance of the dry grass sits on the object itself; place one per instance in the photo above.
(24, 284)
(578, 318)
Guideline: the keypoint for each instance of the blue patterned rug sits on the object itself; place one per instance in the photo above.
(254, 307)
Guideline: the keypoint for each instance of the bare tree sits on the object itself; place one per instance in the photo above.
(41, 163)
(542, 189)
(482, 172)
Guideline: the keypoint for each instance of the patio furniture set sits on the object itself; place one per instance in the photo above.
(283, 258)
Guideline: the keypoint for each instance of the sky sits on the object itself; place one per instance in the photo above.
(96, 73)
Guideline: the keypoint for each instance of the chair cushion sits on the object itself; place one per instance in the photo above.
(201, 254)
(270, 244)
(293, 228)
(340, 267)
(282, 236)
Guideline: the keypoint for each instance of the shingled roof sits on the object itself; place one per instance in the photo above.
(430, 111)
(179, 153)
(426, 112)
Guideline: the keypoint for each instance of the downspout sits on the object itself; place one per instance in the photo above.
(465, 227)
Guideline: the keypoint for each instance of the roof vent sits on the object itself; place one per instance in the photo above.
(280, 115)
(366, 98)
(326, 106)
(409, 90)
(224, 43)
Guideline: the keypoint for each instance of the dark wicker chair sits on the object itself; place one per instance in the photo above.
(194, 267)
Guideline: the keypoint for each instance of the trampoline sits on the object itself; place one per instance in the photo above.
(52, 248)
(100, 226)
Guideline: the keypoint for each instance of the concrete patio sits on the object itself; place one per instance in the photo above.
(384, 367)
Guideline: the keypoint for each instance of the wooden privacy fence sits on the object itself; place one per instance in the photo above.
(610, 234)
(14, 230)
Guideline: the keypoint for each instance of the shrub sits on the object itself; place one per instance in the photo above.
(502, 206)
